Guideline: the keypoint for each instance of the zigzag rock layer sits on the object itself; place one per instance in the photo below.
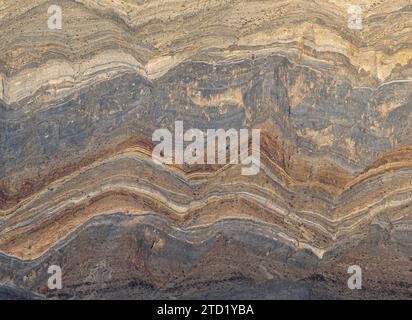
(79, 187)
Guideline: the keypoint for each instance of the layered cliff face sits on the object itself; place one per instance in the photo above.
(79, 188)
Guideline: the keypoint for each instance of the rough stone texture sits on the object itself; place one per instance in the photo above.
(78, 186)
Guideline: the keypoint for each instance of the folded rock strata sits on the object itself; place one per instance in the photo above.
(79, 188)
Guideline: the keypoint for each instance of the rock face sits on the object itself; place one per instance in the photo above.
(79, 188)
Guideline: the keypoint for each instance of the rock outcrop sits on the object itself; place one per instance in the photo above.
(79, 188)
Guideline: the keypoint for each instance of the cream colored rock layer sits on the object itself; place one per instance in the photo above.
(159, 35)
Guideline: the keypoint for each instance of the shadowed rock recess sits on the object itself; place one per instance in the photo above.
(79, 188)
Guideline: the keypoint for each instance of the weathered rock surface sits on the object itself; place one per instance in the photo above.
(78, 186)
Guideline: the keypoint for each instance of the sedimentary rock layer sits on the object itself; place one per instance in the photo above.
(79, 187)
